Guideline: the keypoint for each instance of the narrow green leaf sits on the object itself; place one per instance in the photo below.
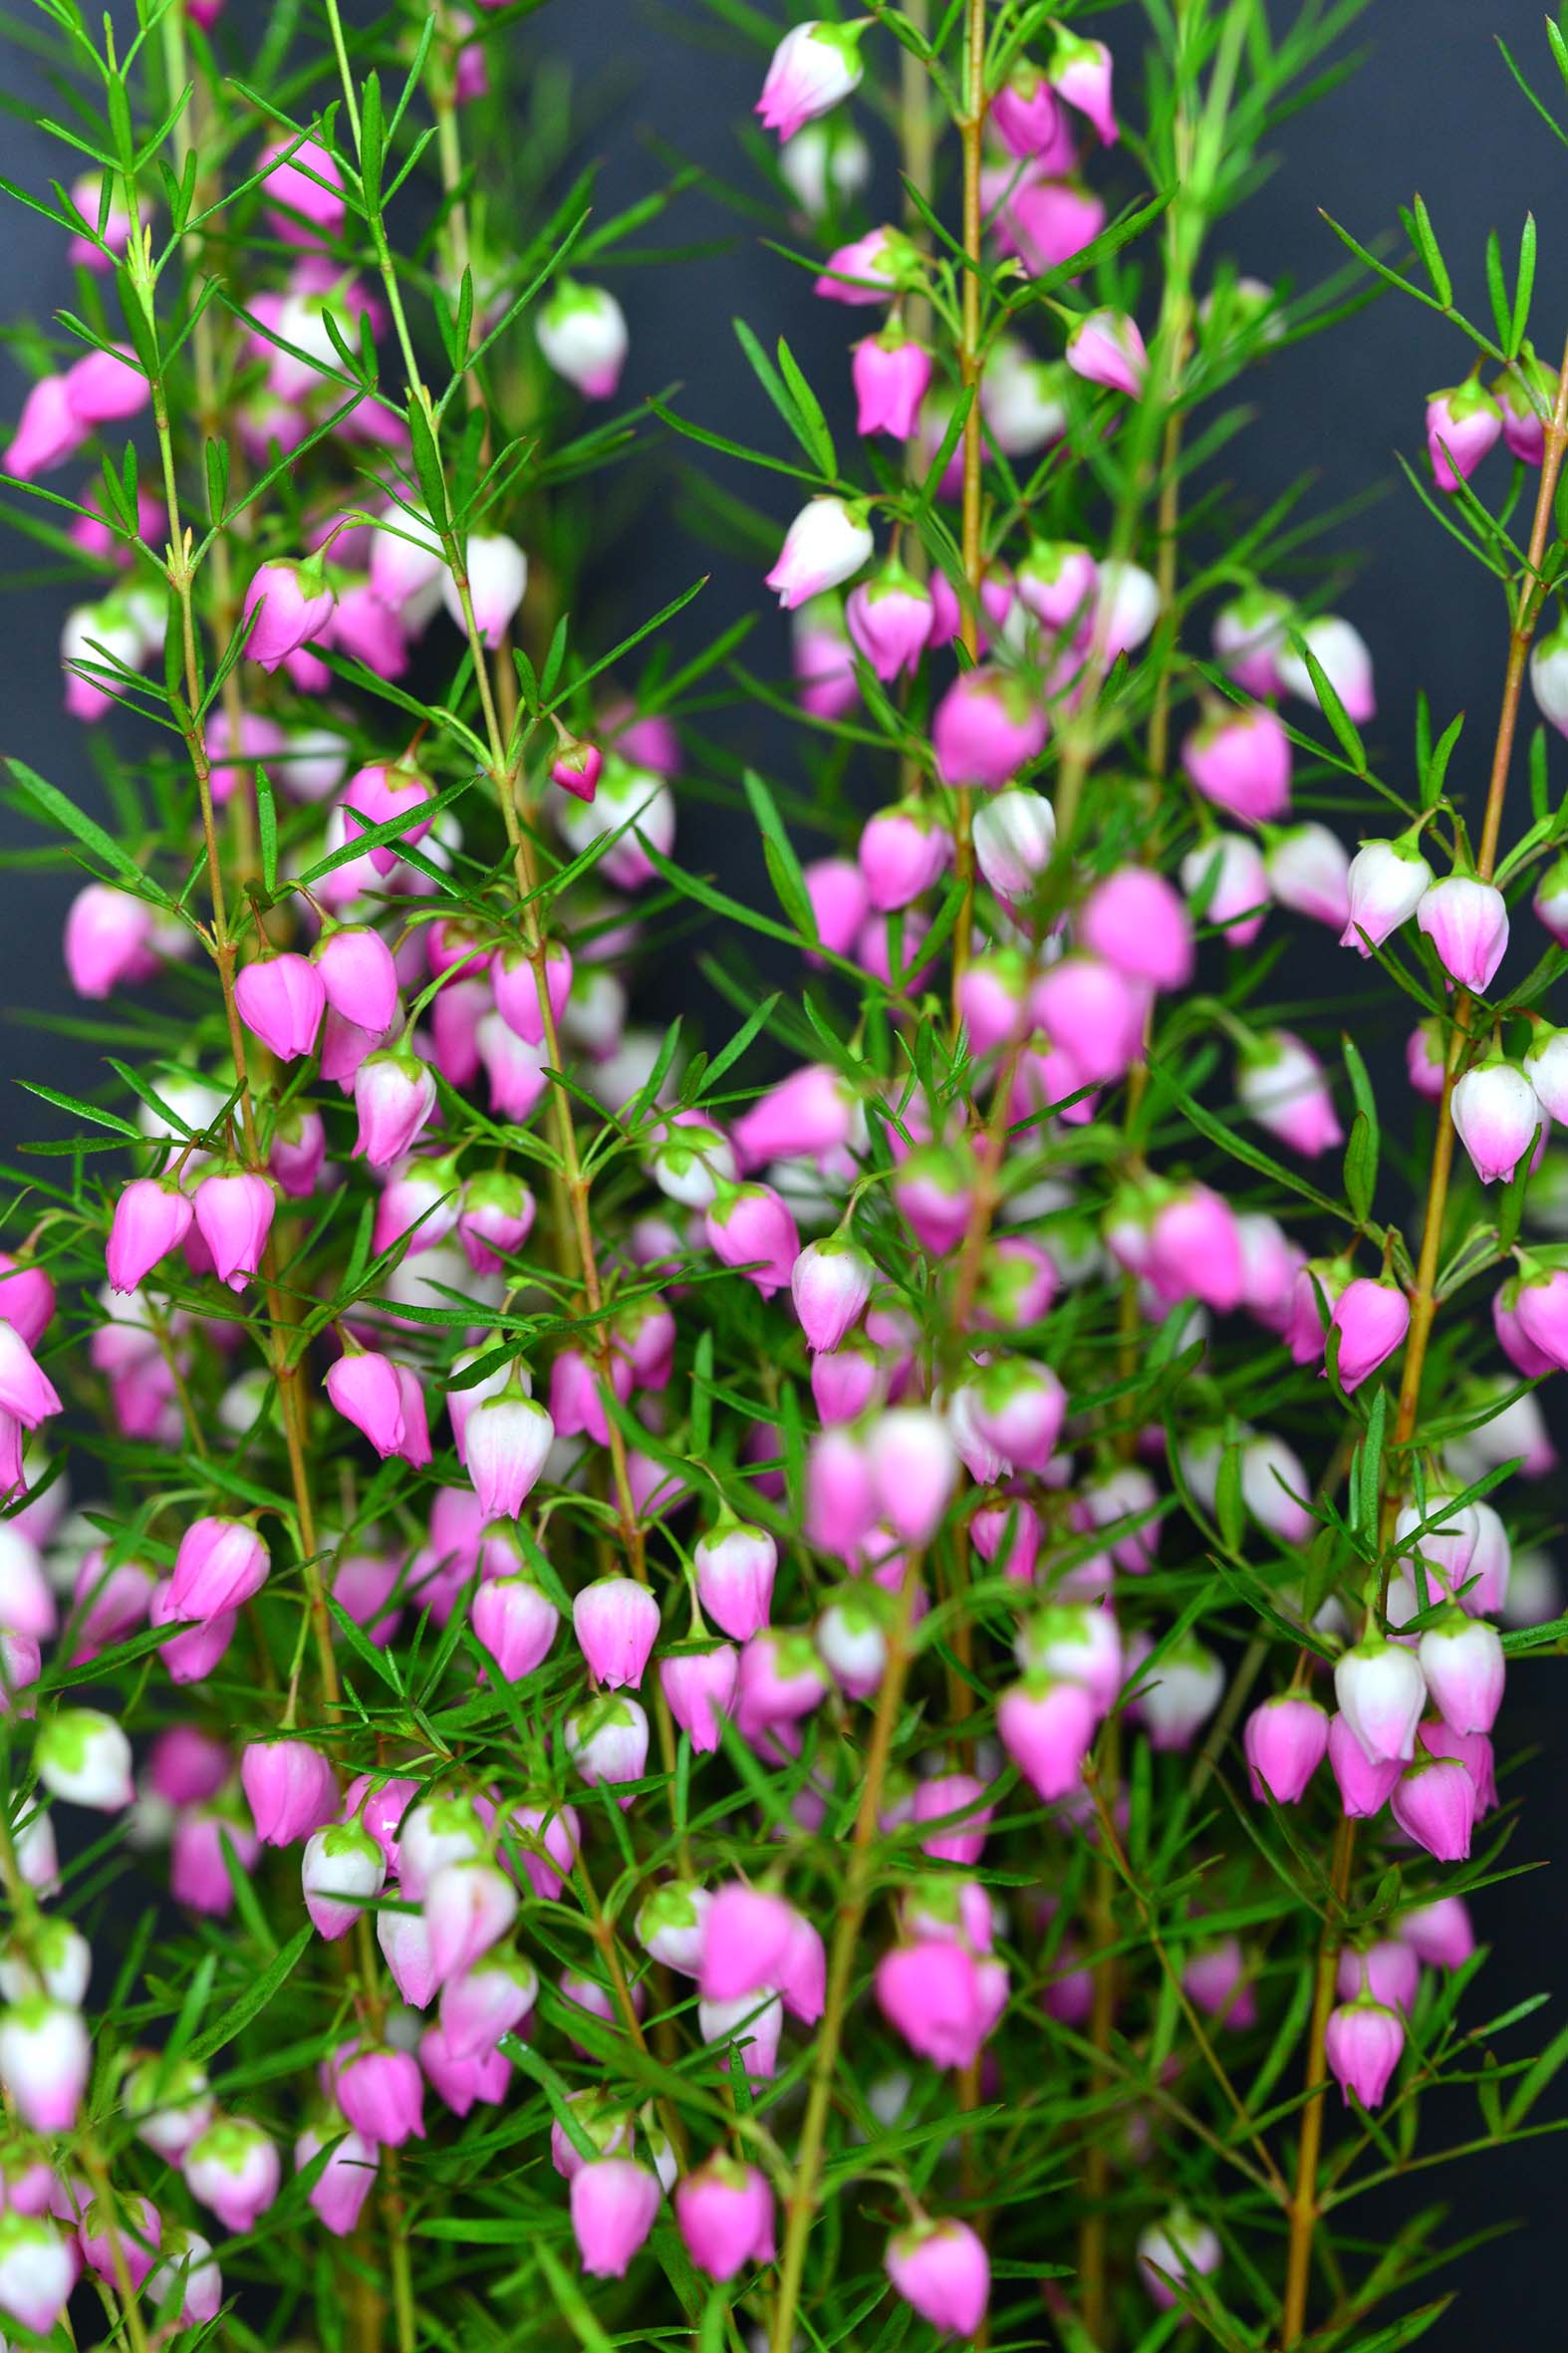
(255, 1998)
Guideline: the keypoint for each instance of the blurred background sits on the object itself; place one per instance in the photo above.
(1433, 108)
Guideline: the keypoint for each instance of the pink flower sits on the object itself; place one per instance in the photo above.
(395, 1095)
(1341, 654)
(221, 1564)
(1462, 424)
(616, 1621)
(1080, 72)
(1241, 762)
(1363, 2043)
(345, 2182)
(985, 728)
(48, 432)
(290, 1787)
(1285, 1741)
(505, 1443)
(724, 2211)
(151, 1220)
(891, 377)
(943, 2271)
(234, 2169)
(813, 69)
(941, 1997)
(700, 1689)
(614, 2203)
(283, 1001)
(826, 544)
(234, 1219)
(381, 2093)
(1047, 1727)
(1106, 348)
(1467, 922)
(889, 619)
(1372, 1319)
(749, 1228)
(291, 604)
(1435, 1801)
(1499, 1117)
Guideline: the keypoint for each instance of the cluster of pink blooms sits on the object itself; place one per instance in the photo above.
(387, 1023)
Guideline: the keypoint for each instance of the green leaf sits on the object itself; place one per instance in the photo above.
(267, 827)
(784, 868)
(1425, 242)
(255, 1998)
(382, 1665)
(427, 464)
(818, 439)
(53, 808)
(1519, 321)
(1332, 707)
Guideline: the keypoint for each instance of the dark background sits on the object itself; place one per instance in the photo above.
(1433, 109)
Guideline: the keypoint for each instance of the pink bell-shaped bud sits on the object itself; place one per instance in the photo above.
(1361, 2044)
(358, 976)
(749, 1228)
(613, 2204)
(1463, 1660)
(892, 375)
(1341, 654)
(615, 1622)
(290, 1787)
(1467, 922)
(1285, 1741)
(1240, 761)
(1386, 882)
(735, 1567)
(292, 604)
(1499, 1117)
(1381, 1692)
(341, 1870)
(826, 545)
(1435, 1802)
(234, 1219)
(283, 1001)
(220, 1565)
(234, 2169)
(942, 2272)
(379, 2092)
(700, 1687)
(1462, 424)
(150, 1218)
(986, 727)
(1372, 1319)
(339, 2190)
(505, 1442)
(813, 70)
(942, 1998)
(1106, 348)
(395, 1095)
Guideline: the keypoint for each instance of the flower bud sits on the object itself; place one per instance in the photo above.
(985, 728)
(608, 1739)
(1499, 1117)
(1463, 1660)
(749, 1228)
(221, 1564)
(1387, 883)
(1361, 2044)
(1381, 1692)
(826, 545)
(942, 2272)
(735, 1567)
(724, 2211)
(343, 1870)
(813, 69)
(1240, 761)
(1467, 922)
(1106, 348)
(379, 2092)
(151, 1218)
(1372, 1319)
(1462, 424)
(85, 1757)
(582, 333)
(1173, 2255)
(1308, 872)
(37, 2271)
(892, 375)
(1285, 1741)
(615, 1622)
(44, 2059)
(291, 604)
(613, 2204)
(505, 1442)
(1435, 1802)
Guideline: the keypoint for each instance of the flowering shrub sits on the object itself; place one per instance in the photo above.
(839, 1683)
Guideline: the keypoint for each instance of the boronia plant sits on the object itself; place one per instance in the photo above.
(833, 1687)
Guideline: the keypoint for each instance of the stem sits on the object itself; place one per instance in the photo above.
(801, 2204)
(971, 368)
(1304, 2202)
(1526, 614)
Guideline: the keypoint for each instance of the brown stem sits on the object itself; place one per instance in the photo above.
(801, 2206)
(1304, 2200)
